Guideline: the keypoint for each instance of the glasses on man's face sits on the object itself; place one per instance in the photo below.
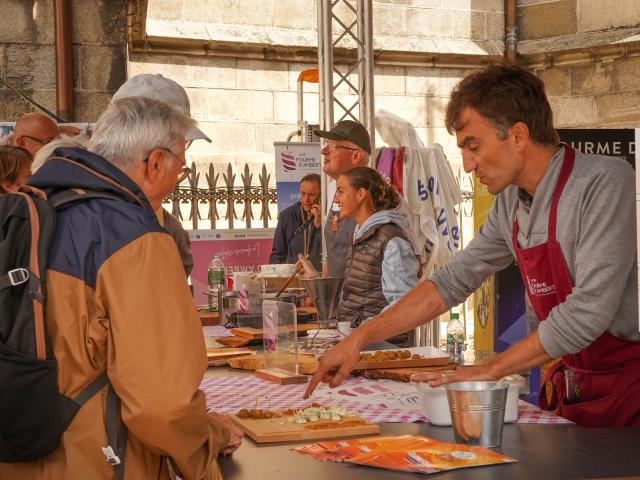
(333, 146)
(41, 141)
(187, 144)
(183, 172)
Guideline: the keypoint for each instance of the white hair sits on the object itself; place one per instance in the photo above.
(6, 140)
(130, 128)
(42, 155)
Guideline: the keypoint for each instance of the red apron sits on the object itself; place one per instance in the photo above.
(607, 372)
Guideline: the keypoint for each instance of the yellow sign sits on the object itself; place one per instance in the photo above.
(483, 298)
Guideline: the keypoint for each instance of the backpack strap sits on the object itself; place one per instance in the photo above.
(91, 389)
(117, 438)
(104, 178)
(18, 276)
(65, 197)
(117, 448)
(14, 277)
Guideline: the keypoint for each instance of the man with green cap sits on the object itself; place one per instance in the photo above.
(347, 145)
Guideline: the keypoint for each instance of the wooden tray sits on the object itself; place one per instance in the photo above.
(404, 374)
(216, 355)
(311, 310)
(257, 334)
(306, 364)
(234, 341)
(209, 318)
(274, 430)
(431, 357)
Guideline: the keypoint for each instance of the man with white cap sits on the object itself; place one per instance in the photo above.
(170, 92)
(154, 85)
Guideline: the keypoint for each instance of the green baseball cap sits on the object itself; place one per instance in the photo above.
(349, 130)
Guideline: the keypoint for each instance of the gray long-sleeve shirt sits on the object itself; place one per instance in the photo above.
(596, 229)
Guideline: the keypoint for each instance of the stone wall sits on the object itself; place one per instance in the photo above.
(540, 19)
(595, 95)
(460, 26)
(590, 59)
(27, 55)
(246, 105)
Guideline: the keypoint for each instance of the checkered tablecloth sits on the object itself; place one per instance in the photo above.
(216, 331)
(360, 395)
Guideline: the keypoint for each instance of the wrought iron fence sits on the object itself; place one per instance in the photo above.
(238, 200)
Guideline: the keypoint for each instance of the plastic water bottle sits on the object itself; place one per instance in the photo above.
(215, 274)
(455, 339)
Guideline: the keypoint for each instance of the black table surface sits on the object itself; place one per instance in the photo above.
(542, 451)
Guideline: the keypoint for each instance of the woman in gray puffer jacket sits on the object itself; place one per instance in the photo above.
(381, 266)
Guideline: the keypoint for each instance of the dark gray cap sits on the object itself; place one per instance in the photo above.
(349, 130)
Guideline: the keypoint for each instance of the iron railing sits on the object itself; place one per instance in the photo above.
(236, 199)
(241, 199)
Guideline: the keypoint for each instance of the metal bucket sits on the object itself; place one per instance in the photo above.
(477, 411)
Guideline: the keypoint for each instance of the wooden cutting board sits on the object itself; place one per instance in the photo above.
(234, 342)
(274, 430)
(306, 364)
(209, 318)
(215, 356)
(431, 357)
(417, 362)
(404, 374)
(312, 310)
(257, 333)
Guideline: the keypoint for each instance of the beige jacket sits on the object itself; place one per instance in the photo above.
(118, 302)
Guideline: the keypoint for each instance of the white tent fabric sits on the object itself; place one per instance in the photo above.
(430, 189)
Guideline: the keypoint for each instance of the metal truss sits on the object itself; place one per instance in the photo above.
(356, 26)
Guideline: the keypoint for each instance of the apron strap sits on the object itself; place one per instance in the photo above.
(565, 172)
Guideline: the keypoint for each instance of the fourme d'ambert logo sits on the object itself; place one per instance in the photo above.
(288, 161)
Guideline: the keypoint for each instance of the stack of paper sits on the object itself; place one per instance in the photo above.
(408, 453)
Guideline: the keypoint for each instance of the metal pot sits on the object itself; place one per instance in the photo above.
(232, 316)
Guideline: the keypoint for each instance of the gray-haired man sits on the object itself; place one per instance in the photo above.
(112, 304)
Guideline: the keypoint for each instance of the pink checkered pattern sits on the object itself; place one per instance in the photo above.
(528, 413)
(230, 394)
(216, 331)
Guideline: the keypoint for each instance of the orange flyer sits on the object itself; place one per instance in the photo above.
(408, 453)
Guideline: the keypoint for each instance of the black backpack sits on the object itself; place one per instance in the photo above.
(33, 413)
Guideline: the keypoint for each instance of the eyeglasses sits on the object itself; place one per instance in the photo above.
(333, 146)
(183, 172)
(41, 141)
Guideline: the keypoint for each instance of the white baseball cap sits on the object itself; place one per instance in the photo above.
(160, 88)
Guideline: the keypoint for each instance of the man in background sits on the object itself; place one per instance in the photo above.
(347, 145)
(297, 232)
(33, 131)
(170, 92)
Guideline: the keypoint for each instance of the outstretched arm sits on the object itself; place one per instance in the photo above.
(419, 306)
(525, 354)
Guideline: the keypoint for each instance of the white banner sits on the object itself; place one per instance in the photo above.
(294, 160)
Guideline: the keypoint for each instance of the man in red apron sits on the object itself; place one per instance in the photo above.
(595, 386)
(569, 221)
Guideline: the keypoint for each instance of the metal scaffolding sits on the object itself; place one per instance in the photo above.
(355, 25)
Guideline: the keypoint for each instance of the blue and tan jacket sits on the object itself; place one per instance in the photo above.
(117, 301)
